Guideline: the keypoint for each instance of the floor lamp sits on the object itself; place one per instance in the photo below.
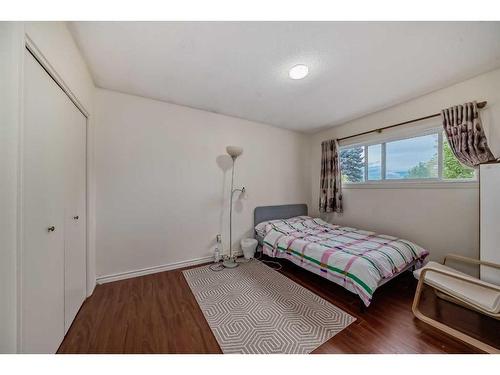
(234, 152)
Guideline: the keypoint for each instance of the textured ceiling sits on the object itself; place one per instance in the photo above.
(241, 68)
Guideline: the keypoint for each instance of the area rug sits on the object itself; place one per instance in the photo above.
(255, 309)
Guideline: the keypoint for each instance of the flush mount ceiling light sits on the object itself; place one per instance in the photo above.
(298, 71)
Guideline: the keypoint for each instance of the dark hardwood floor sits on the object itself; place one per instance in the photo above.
(159, 314)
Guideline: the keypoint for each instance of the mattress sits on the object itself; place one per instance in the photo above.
(358, 260)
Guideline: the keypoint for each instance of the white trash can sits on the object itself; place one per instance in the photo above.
(248, 245)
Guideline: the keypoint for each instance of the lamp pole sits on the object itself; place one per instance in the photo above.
(230, 263)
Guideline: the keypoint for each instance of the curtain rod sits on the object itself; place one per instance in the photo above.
(379, 130)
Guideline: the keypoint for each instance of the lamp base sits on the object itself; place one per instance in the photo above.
(229, 263)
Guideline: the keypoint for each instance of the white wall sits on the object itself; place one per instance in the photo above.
(440, 219)
(56, 44)
(161, 192)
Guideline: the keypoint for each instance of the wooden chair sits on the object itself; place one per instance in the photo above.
(461, 289)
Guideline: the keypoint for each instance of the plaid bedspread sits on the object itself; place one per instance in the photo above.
(356, 259)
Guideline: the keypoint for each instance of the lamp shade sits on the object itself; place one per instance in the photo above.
(234, 151)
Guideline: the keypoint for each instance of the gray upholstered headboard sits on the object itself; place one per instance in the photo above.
(285, 211)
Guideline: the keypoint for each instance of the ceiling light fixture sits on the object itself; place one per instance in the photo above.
(298, 71)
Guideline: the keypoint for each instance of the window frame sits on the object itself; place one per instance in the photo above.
(439, 181)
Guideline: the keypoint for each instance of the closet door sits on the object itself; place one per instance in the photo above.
(42, 258)
(75, 218)
(53, 274)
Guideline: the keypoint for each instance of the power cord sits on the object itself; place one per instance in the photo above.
(216, 267)
(272, 263)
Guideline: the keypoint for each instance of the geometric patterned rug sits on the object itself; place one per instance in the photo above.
(255, 309)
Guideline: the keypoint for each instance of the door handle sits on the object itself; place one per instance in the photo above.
(76, 217)
(51, 229)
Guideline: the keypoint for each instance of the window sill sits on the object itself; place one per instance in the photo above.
(414, 185)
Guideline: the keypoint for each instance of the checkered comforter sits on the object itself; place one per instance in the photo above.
(356, 259)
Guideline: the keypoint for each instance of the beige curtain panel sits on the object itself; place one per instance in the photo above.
(330, 196)
(465, 134)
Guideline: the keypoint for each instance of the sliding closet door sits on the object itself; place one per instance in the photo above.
(75, 218)
(53, 274)
(42, 258)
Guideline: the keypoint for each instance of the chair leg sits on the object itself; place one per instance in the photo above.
(446, 329)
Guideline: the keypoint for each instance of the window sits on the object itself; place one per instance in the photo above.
(422, 158)
(352, 164)
(374, 162)
(412, 158)
(452, 168)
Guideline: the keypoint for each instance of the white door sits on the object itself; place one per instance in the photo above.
(53, 257)
(490, 220)
(42, 258)
(75, 218)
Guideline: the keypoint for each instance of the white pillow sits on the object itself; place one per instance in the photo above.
(261, 228)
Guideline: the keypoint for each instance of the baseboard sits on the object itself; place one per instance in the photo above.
(150, 270)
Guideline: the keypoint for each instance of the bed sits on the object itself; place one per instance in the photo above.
(359, 260)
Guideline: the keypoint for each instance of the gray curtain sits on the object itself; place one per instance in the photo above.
(330, 195)
(465, 134)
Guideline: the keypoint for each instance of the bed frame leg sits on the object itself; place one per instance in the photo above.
(362, 307)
